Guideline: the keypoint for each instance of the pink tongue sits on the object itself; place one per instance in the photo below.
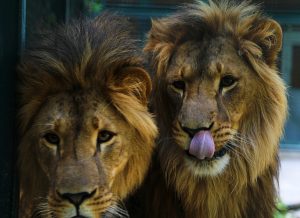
(202, 145)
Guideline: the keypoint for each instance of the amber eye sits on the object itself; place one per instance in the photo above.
(52, 138)
(104, 136)
(227, 81)
(179, 84)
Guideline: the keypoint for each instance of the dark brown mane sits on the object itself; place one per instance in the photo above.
(73, 57)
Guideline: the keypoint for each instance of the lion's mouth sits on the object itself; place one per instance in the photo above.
(218, 154)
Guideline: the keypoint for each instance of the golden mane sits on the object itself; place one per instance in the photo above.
(247, 188)
(90, 56)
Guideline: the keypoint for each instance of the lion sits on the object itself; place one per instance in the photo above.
(87, 136)
(221, 106)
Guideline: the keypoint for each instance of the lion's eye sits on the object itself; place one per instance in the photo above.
(104, 136)
(52, 138)
(179, 84)
(227, 81)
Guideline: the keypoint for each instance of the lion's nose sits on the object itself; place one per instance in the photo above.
(77, 198)
(191, 132)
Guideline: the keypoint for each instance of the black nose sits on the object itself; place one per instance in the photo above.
(77, 198)
(191, 132)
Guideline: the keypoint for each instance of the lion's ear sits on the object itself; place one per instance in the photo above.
(267, 34)
(160, 44)
(134, 81)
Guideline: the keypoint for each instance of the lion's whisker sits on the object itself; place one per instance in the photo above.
(232, 147)
(42, 210)
(115, 210)
(243, 139)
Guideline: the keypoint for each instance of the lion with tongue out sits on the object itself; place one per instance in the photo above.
(221, 106)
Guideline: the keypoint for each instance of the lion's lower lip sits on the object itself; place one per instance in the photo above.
(217, 154)
(221, 152)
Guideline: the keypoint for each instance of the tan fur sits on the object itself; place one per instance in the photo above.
(200, 45)
(77, 81)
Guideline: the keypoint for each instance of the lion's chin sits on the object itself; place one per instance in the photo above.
(208, 167)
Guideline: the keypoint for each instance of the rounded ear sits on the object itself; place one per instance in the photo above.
(134, 81)
(269, 38)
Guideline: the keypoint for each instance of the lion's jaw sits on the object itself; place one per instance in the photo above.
(207, 168)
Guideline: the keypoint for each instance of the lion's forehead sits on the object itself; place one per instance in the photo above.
(205, 57)
(66, 113)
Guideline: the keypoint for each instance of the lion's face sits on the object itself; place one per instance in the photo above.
(207, 85)
(81, 143)
(217, 92)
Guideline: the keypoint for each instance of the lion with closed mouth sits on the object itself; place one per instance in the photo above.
(86, 134)
(221, 106)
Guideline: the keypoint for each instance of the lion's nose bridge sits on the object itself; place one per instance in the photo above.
(84, 149)
(198, 112)
(83, 176)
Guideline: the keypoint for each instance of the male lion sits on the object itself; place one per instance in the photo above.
(87, 137)
(221, 107)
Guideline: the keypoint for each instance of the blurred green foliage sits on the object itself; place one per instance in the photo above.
(93, 6)
(280, 211)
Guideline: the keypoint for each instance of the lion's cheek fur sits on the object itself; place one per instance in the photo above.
(130, 174)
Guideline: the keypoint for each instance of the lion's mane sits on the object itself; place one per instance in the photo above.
(246, 188)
